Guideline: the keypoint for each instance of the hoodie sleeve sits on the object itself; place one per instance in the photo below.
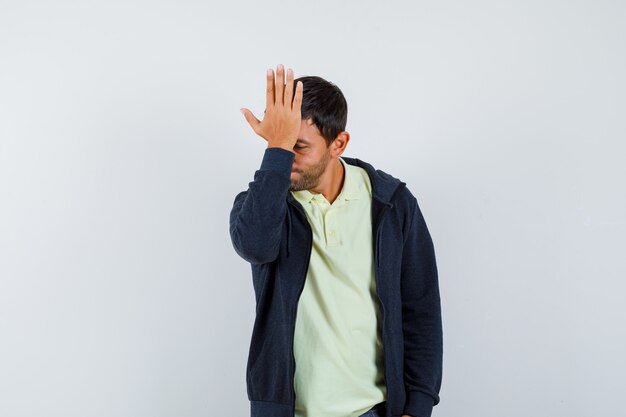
(421, 315)
(257, 214)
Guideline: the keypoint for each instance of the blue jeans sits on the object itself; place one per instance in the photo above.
(377, 411)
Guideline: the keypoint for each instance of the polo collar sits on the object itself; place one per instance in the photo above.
(351, 190)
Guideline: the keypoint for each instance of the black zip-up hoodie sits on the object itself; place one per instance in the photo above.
(269, 229)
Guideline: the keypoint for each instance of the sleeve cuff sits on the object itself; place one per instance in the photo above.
(418, 404)
(277, 159)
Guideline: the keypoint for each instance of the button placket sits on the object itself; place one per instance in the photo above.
(331, 230)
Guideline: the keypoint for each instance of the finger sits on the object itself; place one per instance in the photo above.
(289, 88)
(280, 84)
(253, 121)
(270, 88)
(297, 99)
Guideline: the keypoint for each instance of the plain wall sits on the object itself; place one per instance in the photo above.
(122, 148)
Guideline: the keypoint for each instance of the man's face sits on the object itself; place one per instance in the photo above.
(312, 157)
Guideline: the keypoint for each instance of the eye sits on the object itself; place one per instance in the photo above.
(299, 147)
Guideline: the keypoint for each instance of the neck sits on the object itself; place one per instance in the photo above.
(331, 181)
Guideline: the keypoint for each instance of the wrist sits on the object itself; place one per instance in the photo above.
(277, 159)
(287, 147)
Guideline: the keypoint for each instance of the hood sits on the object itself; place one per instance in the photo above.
(384, 185)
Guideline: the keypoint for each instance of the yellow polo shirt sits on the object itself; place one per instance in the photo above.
(337, 344)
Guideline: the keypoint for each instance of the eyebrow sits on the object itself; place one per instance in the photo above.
(303, 141)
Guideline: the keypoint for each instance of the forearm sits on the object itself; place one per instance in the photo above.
(257, 214)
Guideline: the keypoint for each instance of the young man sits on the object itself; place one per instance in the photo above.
(348, 316)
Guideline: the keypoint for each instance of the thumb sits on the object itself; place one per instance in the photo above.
(253, 121)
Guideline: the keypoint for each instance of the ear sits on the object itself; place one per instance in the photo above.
(338, 146)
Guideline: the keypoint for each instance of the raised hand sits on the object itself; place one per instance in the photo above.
(282, 118)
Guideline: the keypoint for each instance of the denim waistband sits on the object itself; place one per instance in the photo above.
(377, 411)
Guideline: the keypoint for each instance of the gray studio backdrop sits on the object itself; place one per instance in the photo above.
(122, 148)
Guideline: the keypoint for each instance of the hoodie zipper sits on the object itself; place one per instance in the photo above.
(295, 309)
(380, 302)
(377, 232)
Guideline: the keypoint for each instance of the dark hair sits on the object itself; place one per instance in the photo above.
(324, 103)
